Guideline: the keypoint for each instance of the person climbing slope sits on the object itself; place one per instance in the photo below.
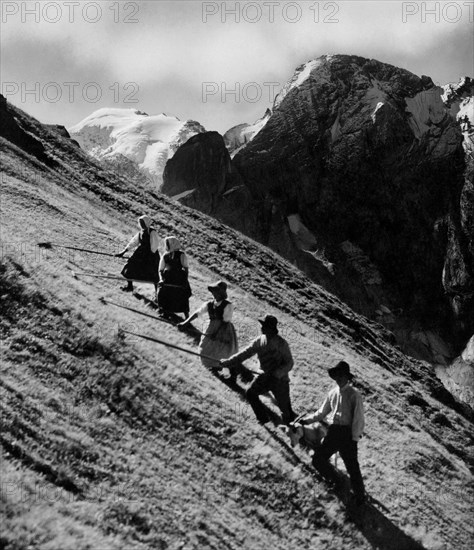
(143, 264)
(276, 362)
(174, 289)
(219, 339)
(344, 410)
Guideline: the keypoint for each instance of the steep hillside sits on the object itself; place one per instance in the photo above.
(201, 172)
(110, 441)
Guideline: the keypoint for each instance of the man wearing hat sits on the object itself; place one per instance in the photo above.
(344, 412)
(276, 362)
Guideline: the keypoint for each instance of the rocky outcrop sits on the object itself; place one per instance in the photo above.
(458, 273)
(13, 130)
(358, 177)
(367, 153)
(60, 129)
(200, 174)
(459, 376)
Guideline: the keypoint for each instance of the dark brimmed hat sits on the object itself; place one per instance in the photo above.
(220, 286)
(269, 322)
(341, 369)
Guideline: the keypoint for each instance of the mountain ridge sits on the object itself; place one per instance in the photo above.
(367, 156)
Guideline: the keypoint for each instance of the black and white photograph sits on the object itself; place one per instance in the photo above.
(236, 275)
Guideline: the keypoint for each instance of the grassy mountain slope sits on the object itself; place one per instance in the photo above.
(109, 441)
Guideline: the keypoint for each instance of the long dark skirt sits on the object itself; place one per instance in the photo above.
(142, 265)
(174, 298)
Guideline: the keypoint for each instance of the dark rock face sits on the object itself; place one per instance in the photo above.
(60, 129)
(358, 177)
(200, 173)
(458, 273)
(367, 153)
(13, 130)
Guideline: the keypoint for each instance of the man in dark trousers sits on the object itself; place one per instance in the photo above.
(344, 412)
(276, 362)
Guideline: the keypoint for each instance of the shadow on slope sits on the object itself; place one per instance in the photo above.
(376, 527)
(127, 447)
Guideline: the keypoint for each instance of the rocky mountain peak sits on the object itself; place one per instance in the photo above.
(301, 74)
(368, 154)
(354, 75)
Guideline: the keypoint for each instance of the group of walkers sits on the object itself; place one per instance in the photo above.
(342, 409)
(169, 273)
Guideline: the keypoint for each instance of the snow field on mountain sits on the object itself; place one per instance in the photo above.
(148, 141)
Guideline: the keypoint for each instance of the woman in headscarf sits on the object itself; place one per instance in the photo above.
(219, 339)
(174, 290)
(143, 264)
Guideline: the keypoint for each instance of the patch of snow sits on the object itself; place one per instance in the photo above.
(427, 109)
(183, 194)
(239, 136)
(465, 118)
(460, 101)
(301, 74)
(156, 155)
(336, 129)
(468, 353)
(305, 72)
(235, 151)
(380, 104)
(108, 118)
(452, 93)
(305, 238)
(233, 189)
(148, 141)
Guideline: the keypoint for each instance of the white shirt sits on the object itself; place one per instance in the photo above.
(342, 407)
(135, 241)
(227, 314)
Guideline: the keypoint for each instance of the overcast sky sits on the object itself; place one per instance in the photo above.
(60, 61)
